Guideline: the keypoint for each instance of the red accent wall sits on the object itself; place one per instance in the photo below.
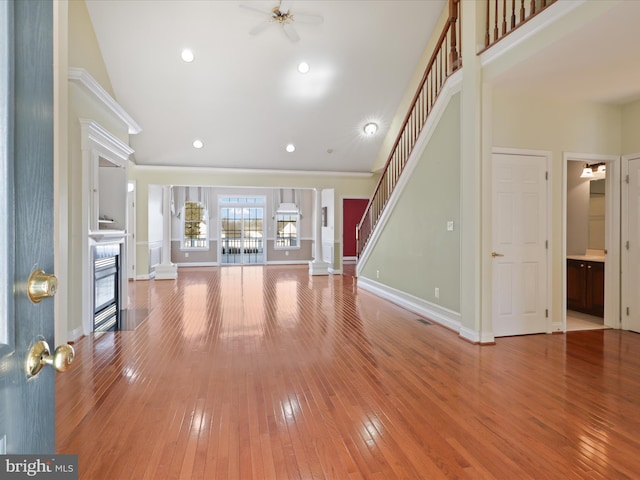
(352, 211)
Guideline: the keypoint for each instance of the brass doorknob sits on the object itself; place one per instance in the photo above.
(495, 254)
(39, 356)
(41, 285)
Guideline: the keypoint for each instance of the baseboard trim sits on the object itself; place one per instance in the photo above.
(443, 316)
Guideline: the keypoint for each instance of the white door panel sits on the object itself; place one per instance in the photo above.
(519, 244)
(631, 268)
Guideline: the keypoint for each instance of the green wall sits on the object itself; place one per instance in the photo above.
(415, 253)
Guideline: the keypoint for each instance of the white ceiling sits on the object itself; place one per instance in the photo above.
(243, 97)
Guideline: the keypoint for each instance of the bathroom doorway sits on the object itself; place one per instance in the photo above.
(591, 252)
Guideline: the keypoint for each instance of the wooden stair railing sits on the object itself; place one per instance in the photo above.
(444, 61)
(504, 16)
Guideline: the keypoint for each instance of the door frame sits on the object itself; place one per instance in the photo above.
(546, 156)
(612, 234)
(624, 229)
(130, 242)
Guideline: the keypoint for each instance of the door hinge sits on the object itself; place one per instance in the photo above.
(546, 175)
(546, 244)
(627, 244)
(627, 311)
(626, 178)
(546, 313)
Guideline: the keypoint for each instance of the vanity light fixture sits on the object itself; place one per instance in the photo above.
(290, 148)
(596, 171)
(187, 55)
(370, 128)
(198, 144)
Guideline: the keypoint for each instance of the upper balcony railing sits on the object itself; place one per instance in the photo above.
(444, 61)
(504, 16)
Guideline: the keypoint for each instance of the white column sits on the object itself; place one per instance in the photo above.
(317, 266)
(166, 270)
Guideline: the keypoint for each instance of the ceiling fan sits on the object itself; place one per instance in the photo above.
(282, 16)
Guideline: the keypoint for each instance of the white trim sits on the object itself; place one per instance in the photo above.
(452, 86)
(612, 240)
(287, 262)
(527, 30)
(436, 313)
(95, 136)
(84, 79)
(476, 337)
(198, 264)
(253, 171)
(75, 334)
(624, 215)
(145, 277)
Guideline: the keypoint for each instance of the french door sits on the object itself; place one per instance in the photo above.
(241, 235)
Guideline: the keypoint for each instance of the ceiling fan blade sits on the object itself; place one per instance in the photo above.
(308, 18)
(290, 32)
(256, 10)
(260, 27)
(284, 6)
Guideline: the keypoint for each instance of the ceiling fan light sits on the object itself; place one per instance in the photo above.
(370, 128)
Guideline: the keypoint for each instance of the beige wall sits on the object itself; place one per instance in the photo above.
(83, 45)
(415, 253)
(577, 210)
(631, 128)
(523, 122)
(410, 92)
(83, 52)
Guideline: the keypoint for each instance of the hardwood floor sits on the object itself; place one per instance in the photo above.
(266, 372)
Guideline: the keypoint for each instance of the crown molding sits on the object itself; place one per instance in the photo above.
(251, 171)
(84, 79)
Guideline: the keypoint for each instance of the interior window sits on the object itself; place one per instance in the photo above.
(287, 230)
(195, 231)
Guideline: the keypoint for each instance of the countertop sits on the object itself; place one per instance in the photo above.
(587, 258)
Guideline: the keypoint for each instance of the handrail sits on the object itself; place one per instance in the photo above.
(444, 61)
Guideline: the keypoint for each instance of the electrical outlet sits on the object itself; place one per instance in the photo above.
(377, 273)
(186, 254)
(437, 292)
(450, 226)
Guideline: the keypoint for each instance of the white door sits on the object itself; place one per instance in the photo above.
(631, 249)
(519, 250)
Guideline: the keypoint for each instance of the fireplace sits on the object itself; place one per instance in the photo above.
(106, 275)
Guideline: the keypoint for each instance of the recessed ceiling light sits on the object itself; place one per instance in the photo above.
(198, 144)
(370, 128)
(303, 67)
(290, 148)
(187, 55)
